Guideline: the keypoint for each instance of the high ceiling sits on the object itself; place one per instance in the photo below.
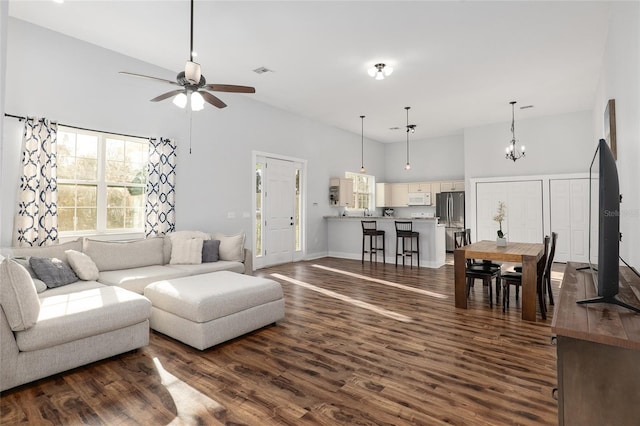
(456, 63)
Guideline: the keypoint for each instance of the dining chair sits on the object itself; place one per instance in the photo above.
(515, 278)
(480, 271)
(547, 270)
(490, 263)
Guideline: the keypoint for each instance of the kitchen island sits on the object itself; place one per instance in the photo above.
(345, 238)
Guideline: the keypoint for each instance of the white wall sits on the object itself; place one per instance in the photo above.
(554, 144)
(76, 83)
(620, 80)
(430, 159)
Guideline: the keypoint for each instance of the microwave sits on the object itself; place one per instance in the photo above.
(419, 199)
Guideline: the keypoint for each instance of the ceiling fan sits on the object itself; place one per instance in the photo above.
(193, 85)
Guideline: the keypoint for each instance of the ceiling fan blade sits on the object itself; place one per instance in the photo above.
(230, 88)
(166, 95)
(212, 99)
(149, 77)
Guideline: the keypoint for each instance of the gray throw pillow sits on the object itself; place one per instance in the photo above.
(54, 272)
(210, 251)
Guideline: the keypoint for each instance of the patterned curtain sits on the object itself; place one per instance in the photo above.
(36, 223)
(160, 210)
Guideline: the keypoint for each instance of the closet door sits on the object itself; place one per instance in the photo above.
(569, 205)
(523, 200)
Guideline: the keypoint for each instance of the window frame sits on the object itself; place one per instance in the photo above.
(372, 191)
(102, 185)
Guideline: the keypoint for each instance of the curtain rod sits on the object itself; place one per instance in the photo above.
(20, 118)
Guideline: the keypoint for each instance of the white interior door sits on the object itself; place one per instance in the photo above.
(569, 202)
(523, 200)
(279, 201)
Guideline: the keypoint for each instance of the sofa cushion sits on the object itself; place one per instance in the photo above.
(24, 261)
(137, 279)
(203, 268)
(57, 250)
(186, 251)
(68, 317)
(202, 298)
(210, 251)
(84, 267)
(168, 239)
(115, 255)
(70, 288)
(231, 246)
(54, 272)
(18, 296)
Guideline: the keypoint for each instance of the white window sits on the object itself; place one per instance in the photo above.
(101, 182)
(363, 190)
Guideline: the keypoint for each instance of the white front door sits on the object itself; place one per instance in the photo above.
(279, 200)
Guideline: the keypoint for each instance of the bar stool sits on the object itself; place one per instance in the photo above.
(405, 231)
(369, 229)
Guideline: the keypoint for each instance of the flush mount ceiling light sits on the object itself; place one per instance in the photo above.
(362, 169)
(380, 71)
(511, 151)
(410, 129)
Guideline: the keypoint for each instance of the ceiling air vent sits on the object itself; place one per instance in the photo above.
(262, 70)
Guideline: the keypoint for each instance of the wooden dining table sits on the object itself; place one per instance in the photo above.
(528, 254)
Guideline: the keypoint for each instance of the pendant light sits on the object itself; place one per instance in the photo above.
(362, 169)
(511, 151)
(408, 166)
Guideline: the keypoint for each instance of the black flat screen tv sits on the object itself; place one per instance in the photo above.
(604, 227)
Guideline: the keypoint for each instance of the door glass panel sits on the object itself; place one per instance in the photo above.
(296, 213)
(258, 236)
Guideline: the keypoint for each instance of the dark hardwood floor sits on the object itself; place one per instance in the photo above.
(387, 351)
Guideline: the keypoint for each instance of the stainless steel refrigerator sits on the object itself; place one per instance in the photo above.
(450, 210)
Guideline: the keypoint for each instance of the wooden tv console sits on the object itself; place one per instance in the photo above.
(598, 352)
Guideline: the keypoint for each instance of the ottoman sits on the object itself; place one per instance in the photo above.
(208, 309)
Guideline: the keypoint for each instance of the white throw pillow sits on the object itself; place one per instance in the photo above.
(186, 251)
(18, 296)
(231, 246)
(84, 267)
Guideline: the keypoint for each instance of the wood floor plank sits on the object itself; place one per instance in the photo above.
(330, 361)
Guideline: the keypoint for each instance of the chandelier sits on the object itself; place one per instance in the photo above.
(511, 151)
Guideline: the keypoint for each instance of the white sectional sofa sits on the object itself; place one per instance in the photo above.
(89, 320)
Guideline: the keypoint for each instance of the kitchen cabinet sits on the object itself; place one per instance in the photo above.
(399, 195)
(383, 195)
(456, 185)
(341, 192)
(420, 187)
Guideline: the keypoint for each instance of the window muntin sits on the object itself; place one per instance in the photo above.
(363, 190)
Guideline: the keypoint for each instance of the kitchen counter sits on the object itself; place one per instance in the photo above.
(381, 218)
(345, 238)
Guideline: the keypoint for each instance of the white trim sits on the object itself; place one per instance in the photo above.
(258, 262)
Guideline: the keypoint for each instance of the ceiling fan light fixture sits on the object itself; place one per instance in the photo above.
(180, 100)
(197, 101)
(192, 72)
